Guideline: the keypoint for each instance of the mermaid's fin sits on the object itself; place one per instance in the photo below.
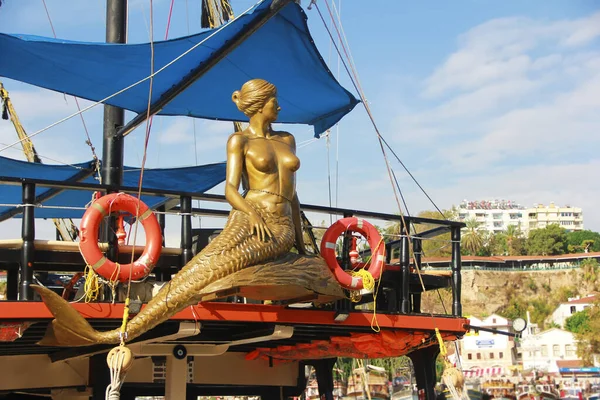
(69, 328)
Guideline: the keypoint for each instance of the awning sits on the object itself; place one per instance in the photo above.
(280, 51)
(481, 372)
(594, 371)
(59, 204)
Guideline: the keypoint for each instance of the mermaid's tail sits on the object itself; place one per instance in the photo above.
(235, 248)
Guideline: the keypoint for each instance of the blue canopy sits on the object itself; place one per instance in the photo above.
(280, 51)
(194, 180)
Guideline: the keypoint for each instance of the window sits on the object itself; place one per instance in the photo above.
(573, 309)
(493, 320)
(569, 350)
(556, 350)
(491, 356)
(544, 350)
(479, 356)
(500, 355)
(469, 356)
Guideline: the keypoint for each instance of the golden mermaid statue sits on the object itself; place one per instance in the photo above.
(262, 226)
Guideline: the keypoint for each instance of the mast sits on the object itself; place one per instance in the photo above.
(114, 117)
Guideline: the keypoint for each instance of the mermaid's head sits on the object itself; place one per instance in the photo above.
(253, 96)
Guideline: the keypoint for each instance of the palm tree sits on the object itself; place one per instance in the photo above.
(472, 239)
(513, 236)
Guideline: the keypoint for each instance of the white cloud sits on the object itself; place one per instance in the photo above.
(514, 113)
(498, 50)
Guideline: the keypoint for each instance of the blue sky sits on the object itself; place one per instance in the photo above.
(480, 99)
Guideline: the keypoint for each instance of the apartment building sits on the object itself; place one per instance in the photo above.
(486, 353)
(498, 215)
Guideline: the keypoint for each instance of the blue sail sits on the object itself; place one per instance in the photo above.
(281, 51)
(69, 203)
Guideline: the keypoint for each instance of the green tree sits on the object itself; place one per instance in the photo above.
(547, 241)
(472, 238)
(578, 322)
(588, 340)
(515, 243)
(438, 246)
(516, 308)
(578, 241)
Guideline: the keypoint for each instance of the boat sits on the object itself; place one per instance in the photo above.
(368, 383)
(500, 388)
(537, 391)
(245, 337)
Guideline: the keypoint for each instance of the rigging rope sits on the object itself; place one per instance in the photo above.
(356, 83)
(87, 134)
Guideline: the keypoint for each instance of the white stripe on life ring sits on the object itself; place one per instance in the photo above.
(360, 223)
(380, 258)
(330, 245)
(355, 281)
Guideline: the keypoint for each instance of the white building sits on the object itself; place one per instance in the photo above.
(498, 215)
(565, 310)
(487, 351)
(542, 350)
(540, 216)
(493, 216)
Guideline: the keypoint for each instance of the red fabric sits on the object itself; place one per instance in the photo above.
(11, 331)
(357, 345)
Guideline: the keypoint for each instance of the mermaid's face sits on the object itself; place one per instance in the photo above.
(271, 109)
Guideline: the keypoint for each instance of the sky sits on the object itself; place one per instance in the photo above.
(479, 99)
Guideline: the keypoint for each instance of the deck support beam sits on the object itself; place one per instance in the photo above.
(324, 373)
(176, 382)
(424, 365)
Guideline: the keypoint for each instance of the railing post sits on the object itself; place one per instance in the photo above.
(417, 249)
(186, 230)
(163, 273)
(405, 271)
(12, 282)
(456, 279)
(28, 236)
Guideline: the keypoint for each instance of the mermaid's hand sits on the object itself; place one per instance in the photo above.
(259, 227)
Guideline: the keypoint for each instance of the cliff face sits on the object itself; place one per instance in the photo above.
(486, 292)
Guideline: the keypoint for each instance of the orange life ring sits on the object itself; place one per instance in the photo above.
(368, 231)
(88, 244)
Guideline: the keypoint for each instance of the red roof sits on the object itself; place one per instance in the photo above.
(584, 300)
(569, 363)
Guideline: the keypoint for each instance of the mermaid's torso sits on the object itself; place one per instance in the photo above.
(271, 165)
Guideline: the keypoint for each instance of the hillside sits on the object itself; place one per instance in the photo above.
(487, 292)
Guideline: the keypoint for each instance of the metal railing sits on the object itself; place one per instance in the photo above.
(30, 201)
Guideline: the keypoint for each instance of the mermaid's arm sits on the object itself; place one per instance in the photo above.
(235, 164)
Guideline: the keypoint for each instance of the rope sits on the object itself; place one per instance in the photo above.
(91, 285)
(123, 335)
(356, 83)
(87, 134)
(102, 101)
(119, 361)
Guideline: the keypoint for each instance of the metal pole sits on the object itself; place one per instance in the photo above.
(405, 271)
(114, 117)
(456, 265)
(186, 230)
(28, 236)
(417, 249)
